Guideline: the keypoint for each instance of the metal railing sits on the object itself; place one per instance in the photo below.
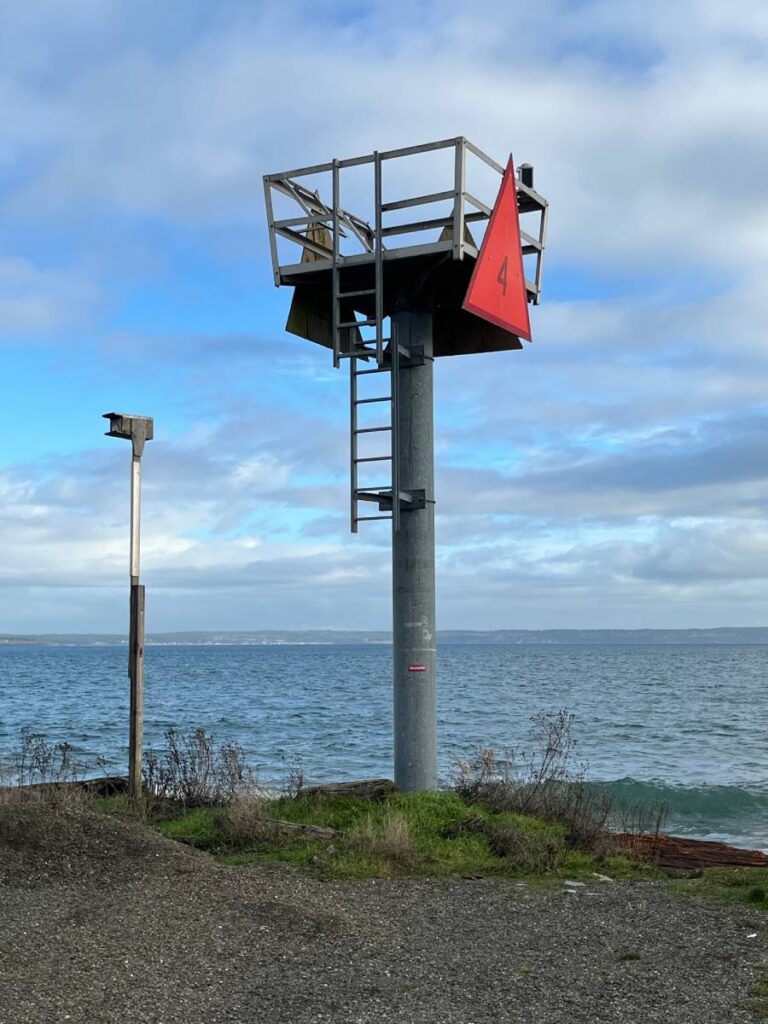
(319, 228)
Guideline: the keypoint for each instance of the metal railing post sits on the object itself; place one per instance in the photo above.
(458, 200)
(335, 269)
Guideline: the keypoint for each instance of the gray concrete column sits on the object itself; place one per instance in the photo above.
(413, 567)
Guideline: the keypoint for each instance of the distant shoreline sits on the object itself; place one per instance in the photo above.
(721, 636)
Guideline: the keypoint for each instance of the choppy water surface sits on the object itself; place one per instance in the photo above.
(684, 723)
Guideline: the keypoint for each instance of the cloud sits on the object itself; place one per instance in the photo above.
(610, 474)
(35, 300)
(648, 157)
(221, 521)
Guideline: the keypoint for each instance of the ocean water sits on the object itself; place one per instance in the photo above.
(684, 724)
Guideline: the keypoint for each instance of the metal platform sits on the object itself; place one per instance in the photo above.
(351, 274)
(308, 249)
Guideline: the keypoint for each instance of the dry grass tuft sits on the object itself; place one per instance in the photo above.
(388, 837)
(54, 795)
(243, 822)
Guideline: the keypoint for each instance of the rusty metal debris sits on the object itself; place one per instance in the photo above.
(676, 852)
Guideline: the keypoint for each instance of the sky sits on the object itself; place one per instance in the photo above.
(614, 473)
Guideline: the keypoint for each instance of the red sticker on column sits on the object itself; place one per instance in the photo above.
(417, 668)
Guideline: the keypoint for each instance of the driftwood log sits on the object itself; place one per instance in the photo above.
(107, 785)
(675, 852)
(308, 831)
(365, 789)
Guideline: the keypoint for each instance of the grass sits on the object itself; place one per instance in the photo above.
(525, 813)
(748, 886)
(418, 835)
(406, 835)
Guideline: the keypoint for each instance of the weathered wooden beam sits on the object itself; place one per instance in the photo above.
(365, 789)
(309, 831)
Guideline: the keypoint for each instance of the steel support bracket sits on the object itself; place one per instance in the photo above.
(415, 357)
(410, 501)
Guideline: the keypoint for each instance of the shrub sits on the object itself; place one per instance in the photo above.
(642, 818)
(37, 762)
(545, 781)
(294, 777)
(196, 772)
(39, 771)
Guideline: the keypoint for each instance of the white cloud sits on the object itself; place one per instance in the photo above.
(34, 300)
(649, 157)
(615, 465)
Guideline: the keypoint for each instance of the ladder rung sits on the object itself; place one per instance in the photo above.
(369, 401)
(368, 519)
(370, 430)
(375, 458)
(352, 295)
(357, 323)
(378, 369)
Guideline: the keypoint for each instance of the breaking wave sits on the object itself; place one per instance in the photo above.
(729, 813)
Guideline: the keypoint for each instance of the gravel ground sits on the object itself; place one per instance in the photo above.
(103, 921)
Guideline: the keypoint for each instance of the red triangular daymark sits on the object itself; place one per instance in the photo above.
(497, 289)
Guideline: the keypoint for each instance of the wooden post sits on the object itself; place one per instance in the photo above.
(138, 430)
(136, 675)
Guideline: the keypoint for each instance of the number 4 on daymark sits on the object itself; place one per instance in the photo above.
(502, 278)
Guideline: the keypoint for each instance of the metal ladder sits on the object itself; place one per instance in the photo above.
(383, 353)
